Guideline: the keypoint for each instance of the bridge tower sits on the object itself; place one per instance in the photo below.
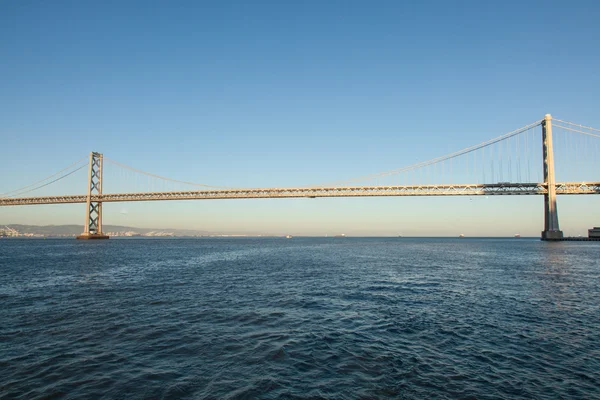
(93, 215)
(551, 230)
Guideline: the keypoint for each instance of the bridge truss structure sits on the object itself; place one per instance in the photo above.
(498, 189)
(548, 188)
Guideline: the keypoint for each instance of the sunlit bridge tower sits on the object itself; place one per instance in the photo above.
(93, 214)
(551, 230)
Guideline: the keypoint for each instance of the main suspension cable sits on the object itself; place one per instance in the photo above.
(48, 183)
(575, 130)
(580, 126)
(438, 159)
(45, 179)
(162, 177)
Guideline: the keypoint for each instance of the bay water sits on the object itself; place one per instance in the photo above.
(300, 318)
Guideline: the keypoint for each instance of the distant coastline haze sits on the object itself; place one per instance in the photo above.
(273, 94)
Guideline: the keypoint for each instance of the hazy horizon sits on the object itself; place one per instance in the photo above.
(275, 94)
(365, 217)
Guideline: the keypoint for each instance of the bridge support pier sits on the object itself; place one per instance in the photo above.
(93, 216)
(551, 229)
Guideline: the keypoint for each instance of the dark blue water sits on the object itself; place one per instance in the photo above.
(301, 318)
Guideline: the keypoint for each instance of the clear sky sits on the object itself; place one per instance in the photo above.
(276, 93)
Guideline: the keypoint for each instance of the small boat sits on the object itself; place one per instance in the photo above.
(462, 235)
(288, 236)
(517, 235)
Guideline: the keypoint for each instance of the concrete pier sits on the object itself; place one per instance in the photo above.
(551, 229)
(88, 236)
(573, 239)
(93, 216)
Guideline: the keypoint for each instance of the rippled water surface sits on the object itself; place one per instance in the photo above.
(300, 318)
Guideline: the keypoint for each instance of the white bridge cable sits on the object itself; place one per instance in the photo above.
(577, 125)
(436, 160)
(162, 177)
(576, 155)
(578, 131)
(48, 183)
(17, 192)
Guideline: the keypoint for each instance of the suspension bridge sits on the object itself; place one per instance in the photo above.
(506, 165)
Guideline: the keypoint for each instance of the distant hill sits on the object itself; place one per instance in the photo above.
(49, 230)
(73, 230)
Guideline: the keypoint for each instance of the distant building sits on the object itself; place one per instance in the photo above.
(594, 232)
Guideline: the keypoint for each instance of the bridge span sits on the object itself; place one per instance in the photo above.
(497, 189)
(548, 188)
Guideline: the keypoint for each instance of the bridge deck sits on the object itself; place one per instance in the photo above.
(313, 192)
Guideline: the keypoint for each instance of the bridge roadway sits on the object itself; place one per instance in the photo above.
(313, 192)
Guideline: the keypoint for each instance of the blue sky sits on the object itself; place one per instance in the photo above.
(270, 93)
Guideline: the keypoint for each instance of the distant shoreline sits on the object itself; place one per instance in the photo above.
(268, 237)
